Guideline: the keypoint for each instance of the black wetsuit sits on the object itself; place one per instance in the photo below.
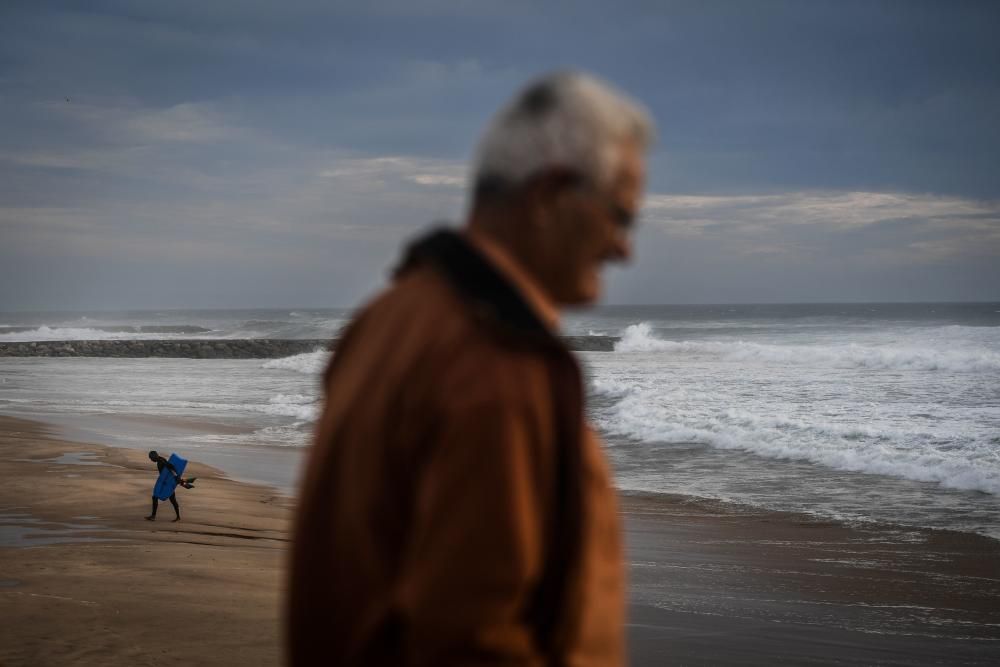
(162, 463)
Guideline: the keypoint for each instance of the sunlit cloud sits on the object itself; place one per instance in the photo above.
(421, 171)
(913, 226)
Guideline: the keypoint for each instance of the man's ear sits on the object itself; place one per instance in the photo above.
(553, 180)
(544, 190)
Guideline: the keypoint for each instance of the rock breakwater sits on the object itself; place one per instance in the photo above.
(243, 348)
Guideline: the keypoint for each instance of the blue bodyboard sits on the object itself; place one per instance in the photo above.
(167, 481)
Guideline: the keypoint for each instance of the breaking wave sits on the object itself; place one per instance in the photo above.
(639, 338)
(111, 332)
(309, 363)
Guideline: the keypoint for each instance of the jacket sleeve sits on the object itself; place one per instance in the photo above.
(476, 550)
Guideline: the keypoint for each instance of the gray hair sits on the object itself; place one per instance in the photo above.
(568, 120)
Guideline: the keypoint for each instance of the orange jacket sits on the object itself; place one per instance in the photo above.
(455, 508)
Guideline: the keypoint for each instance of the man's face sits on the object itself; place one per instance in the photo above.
(581, 229)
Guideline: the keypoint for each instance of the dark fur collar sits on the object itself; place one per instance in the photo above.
(477, 281)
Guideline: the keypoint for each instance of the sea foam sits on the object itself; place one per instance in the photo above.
(303, 408)
(650, 413)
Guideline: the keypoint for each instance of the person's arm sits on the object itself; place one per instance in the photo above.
(476, 552)
(172, 469)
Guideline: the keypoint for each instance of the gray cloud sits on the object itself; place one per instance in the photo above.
(254, 153)
(815, 246)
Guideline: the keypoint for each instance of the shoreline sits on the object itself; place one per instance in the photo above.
(279, 467)
(710, 583)
(275, 467)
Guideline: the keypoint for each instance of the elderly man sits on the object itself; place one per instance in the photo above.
(456, 508)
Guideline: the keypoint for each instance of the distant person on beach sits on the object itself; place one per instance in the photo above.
(162, 463)
(456, 508)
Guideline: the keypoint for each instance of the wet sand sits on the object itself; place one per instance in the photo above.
(84, 580)
(715, 584)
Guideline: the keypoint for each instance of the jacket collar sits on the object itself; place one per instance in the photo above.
(511, 269)
(489, 285)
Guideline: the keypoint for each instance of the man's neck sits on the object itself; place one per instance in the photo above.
(505, 260)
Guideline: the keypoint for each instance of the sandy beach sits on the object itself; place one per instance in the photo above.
(84, 580)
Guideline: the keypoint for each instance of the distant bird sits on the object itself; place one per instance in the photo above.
(67, 99)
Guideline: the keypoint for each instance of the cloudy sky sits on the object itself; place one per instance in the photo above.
(240, 153)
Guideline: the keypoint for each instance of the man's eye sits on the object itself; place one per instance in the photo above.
(622, 216)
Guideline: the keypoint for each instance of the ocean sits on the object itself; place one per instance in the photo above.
(854, 412)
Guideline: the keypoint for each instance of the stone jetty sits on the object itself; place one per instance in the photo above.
(243, 348)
